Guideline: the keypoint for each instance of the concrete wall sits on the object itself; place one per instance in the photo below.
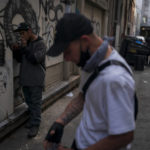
(42, 15)
(95, 15)
(6, 71)
(96, 11)
(6, 86)
(138, 16)
(145, 13)
(121, 19)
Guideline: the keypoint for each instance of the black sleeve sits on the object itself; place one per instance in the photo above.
(17, 55)
(38, 55)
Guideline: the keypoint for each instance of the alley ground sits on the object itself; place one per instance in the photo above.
(18, 140)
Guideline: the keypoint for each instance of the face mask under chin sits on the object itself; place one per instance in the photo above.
(84, 56)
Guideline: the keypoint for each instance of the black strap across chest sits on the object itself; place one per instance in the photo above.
(102, 67)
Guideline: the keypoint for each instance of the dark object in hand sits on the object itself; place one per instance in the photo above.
(58, 132)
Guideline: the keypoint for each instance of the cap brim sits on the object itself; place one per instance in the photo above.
(56, 49)
(18, 30)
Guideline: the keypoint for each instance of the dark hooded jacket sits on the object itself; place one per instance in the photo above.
(32, 59)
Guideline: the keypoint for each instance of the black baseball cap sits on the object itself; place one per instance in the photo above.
(69, 28)
(22, 27)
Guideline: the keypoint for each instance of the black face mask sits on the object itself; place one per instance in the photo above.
(84, 56)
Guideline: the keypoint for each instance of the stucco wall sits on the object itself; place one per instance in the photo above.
(6, 86)
(96, 12)
(42, 15)
(138, 15)
(95, 15)
(145, 13)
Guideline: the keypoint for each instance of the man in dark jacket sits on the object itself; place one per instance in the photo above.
(31, 55)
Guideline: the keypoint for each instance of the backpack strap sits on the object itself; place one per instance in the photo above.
(102, 67)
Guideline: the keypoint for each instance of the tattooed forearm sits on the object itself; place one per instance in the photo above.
(72, 110)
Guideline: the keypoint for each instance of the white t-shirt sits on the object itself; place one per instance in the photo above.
(109, 105)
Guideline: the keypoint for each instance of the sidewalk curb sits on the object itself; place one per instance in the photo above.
(49, 97)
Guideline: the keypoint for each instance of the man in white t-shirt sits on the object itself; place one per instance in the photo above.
(107, 122)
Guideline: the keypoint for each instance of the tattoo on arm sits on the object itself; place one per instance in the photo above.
(73, 109)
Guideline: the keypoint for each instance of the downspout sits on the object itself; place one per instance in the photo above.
(127, 13)
(125, 18)
(66, 65)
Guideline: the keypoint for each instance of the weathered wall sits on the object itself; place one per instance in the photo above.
(95, 10)
(138, 13)
(95, 15)
(6, 86)
(145, 13)
(121, 19)
(42, 15)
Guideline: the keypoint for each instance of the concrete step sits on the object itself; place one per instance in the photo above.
(50, 96)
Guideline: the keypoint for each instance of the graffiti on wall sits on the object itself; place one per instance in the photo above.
(96, 24)
(95, 20)
(41, 18)
(97, 28)
(52, 11)
(26, 11)
(3, 82)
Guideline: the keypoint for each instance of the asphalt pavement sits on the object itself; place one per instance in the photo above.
(18, 139)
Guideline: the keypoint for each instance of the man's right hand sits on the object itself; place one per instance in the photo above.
(14, 46)
(54, 134)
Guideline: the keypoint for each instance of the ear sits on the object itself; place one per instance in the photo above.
(85, 38)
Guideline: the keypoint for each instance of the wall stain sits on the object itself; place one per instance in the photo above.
(50, 12)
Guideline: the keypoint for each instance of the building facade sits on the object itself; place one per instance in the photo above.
(145, 21)
(138, 16)
(121, 19)
(109, 17)
(42, 15)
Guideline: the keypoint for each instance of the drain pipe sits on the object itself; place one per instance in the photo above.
(66, 65)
